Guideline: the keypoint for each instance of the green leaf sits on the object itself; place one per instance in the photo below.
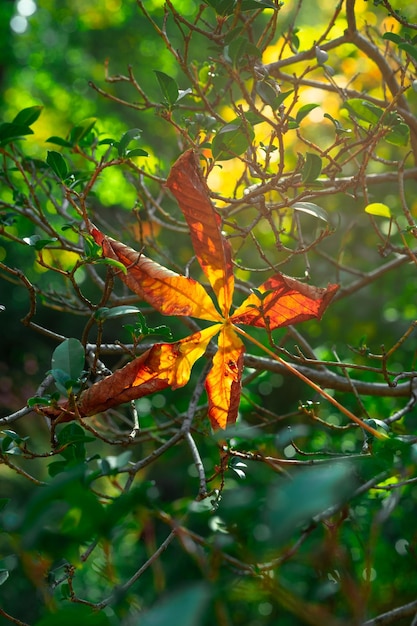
(73, 433)
(399, 135)
(190, 603)
(409, 49)
(232, 140)
(321, 56)
(363, 111)
(168, 87)
(10, 131)
(117, 264)
(311, 209)
(282, 96)
(266, 92)
(312, 168)
(28, 116)
(338, 126)
(58, 164)
(304, 111)
(392, 37)
(104, 313)
(377, 208)
(113, 464)
(37, 242)
(127, 138)
(312, 491)
(82, 129)
(4, 575)
(239, 49)
(69, 357)
(39, 400)
(136, 152)
(59, 141)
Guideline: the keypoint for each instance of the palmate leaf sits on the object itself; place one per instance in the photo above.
(289, 302)
(286, 301)
(211, 248)
(168, 292)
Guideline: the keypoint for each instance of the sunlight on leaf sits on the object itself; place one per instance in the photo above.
(378, 208)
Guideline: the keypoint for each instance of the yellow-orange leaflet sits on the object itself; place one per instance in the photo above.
(286, 301)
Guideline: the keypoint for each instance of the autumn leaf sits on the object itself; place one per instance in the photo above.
(286, 301)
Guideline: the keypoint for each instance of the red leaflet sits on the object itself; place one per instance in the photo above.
(287, 301)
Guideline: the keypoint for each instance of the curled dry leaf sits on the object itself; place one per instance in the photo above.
(287, 301)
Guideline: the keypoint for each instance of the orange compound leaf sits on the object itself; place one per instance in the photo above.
(288, 302)
(213, 251)
(224, 381)
(168, 292)
(187, 351)
(164, 365)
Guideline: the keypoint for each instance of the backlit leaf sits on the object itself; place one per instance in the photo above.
(289, 302)
(168, 87)
(212, 249)
(224, 381)
(304, 111)
(378, 208)
(164, 365)
(168, 292)
(278, 302)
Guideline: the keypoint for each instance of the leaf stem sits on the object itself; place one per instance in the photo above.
(309, 382)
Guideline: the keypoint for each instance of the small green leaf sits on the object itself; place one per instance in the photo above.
(37, 242)
(231, 140)
(59, 141)
(363, 111)
(28, 116)
(117, 264)
(321, 56)
(4, 575)
(304, 111)
(168, 87)
(312, 168)
(9, 131)
(127, 138)
(377, 208)
(82, 129)
(104, 313)
(57, 163)
(338, 126)
(240, 49)
(409, 49)
(69, 357)
(267, 93)
(282, 96)
(311, 209)
(399, 135)
(136, 152)
(190, 602)
(39, 400)
(392, 37)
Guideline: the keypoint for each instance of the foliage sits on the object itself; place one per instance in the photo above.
(294, 141)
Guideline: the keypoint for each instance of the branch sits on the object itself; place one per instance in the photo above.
(393, 616)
